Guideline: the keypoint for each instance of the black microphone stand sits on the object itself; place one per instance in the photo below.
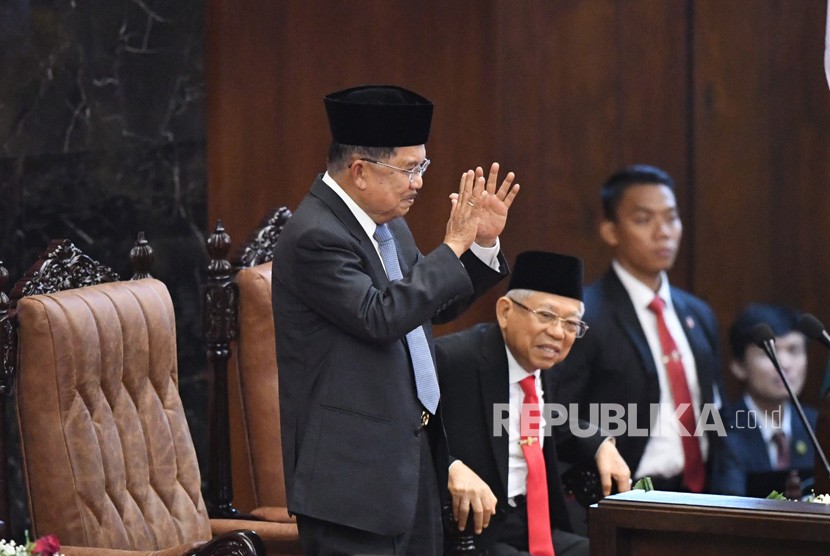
(767, 343)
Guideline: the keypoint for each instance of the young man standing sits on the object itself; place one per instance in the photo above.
(652, 349)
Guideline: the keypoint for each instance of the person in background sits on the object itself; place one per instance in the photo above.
(511, 365)
(364, 450)
(764, 431)
(653, 348)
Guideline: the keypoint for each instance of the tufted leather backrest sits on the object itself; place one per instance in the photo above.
(257, 367)
(107, 453)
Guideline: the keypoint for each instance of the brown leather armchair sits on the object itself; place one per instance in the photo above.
(238, 315)
(259, 390)
(108, 459)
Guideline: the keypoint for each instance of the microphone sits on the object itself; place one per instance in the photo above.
(811, 327)
(764, 338)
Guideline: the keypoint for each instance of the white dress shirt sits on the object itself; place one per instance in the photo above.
(663, 455)
(516, 463)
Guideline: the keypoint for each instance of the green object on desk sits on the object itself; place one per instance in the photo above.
(643, 484)
(775, 495)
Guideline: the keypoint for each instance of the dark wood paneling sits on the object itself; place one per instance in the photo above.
(761, 159)
(729, 97)
(272, 62)
(587, 87)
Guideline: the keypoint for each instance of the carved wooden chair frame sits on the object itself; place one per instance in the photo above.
(62, 266)
(221, 324)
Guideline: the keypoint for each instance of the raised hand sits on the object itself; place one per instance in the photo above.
(493, 214)
(467, 205)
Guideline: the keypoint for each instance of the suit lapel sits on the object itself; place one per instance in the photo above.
(801, 449)
(699, 345)
(756, 449)
(549, 446)
(495, 389)
(333, 201)
(626, 317)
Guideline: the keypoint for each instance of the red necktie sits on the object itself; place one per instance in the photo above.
(538, 512)
(694, 473)
(783, 446)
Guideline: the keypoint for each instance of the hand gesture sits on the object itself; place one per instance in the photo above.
(468, 492)
(612, 467)
(467, 204)
(493, 216)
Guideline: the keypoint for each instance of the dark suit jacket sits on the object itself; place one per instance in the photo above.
(349, 412)
(472, 369)
(612, 363)
(744, 451)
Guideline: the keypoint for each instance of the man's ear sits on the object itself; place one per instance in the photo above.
(738, 370)
(608, 232)
(502, 309)
(357, 171)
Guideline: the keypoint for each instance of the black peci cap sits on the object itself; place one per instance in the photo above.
(548, 272)
(378, 116)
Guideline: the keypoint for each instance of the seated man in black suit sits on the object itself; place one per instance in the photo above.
(493, 394)
(763, 431)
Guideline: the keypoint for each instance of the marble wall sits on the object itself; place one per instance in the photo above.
(101, 136)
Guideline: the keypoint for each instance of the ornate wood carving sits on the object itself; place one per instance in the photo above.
(6, 373)
(220, 325)
(457, 542)
(6, 335)
(61, 267)
(141, 258)
(260, 246)
(235, 543)
(221, 328)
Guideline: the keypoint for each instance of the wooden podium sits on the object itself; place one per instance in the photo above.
(658, 523)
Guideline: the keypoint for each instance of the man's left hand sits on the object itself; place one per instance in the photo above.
(493, 216)
(470, 492)
(612, 468)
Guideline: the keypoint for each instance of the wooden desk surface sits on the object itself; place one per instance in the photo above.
(676, 524)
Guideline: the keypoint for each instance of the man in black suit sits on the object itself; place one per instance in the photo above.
(363, 447)
(765, 438)
(628, 359)
(481, 371)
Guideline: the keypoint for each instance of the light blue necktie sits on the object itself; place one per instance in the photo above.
(422, 365)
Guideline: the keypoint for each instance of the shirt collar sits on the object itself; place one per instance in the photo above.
(641, 295)
(515, 371)
(363, 219)
(766, 423)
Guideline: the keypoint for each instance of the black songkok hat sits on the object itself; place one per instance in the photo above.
(548, 272)
(378, 116)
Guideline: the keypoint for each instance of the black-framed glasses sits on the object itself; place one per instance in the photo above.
(570, 325)
(412, 172)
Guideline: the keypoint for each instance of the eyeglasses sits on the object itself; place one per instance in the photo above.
(419, 169)
(571, 326)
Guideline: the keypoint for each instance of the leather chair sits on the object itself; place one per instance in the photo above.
(247, 305)
(108, 459)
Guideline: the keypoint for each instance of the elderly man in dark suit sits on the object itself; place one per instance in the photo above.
(492, 370)
(653, 348)
(363, 447)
